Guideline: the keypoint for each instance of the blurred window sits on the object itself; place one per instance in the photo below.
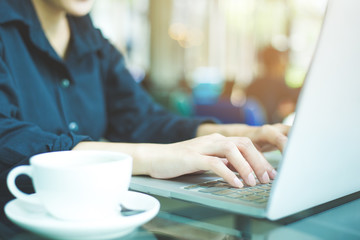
(168, 41)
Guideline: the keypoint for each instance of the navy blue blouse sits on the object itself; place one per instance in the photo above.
(51, 104)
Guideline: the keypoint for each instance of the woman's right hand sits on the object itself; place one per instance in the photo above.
(214, 152)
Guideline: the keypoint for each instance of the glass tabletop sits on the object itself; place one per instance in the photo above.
(182, 220)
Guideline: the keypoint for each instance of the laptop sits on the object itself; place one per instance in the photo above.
(321, 161)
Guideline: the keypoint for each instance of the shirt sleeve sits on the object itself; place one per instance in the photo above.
(19, 140)
(133, 116)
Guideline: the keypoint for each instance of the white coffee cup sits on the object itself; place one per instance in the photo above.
(76, 185)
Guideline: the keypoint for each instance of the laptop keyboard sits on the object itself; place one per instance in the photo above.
(258, 194)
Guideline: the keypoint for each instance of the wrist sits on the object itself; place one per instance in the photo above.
(141, 153)
(145, 157)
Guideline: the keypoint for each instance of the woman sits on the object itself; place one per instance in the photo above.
(64, 87)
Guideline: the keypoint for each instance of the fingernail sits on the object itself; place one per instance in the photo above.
(238, 183)
(251, 180)
(265, 177)
(274, 173)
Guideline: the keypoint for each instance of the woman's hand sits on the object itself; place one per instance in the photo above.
(214, 152)
(236, 149)
(265, 138)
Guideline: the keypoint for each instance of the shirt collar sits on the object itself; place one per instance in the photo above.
(13, 10)
(85, 38)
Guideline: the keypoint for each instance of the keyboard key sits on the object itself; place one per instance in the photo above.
(255, 190)
(263, 194)
(223, 192)
(235, 195)
(192, 186)
(210, 189)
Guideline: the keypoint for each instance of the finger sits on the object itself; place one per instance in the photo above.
(228, 149)
(285, 129)
(256, 160)
(228, 164)
(275, 135)
(217, 165)
(270, 169)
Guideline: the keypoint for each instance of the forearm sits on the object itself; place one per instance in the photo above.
(142, 153)
(20, 140)
(242, 130)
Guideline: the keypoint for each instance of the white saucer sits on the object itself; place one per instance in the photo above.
(35, 219)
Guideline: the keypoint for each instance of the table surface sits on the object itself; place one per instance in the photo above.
(182, 220)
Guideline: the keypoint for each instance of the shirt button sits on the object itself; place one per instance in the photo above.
(73, 126)
(65, 83)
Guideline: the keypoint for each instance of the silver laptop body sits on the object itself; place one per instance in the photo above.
(321, 161)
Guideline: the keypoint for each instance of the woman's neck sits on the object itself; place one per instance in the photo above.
(55, 25)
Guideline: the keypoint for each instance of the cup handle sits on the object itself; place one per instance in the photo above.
(13, 174)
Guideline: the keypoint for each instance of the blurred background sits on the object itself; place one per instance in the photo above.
(237, 60)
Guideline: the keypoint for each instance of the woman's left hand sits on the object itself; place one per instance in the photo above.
(265, 138)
